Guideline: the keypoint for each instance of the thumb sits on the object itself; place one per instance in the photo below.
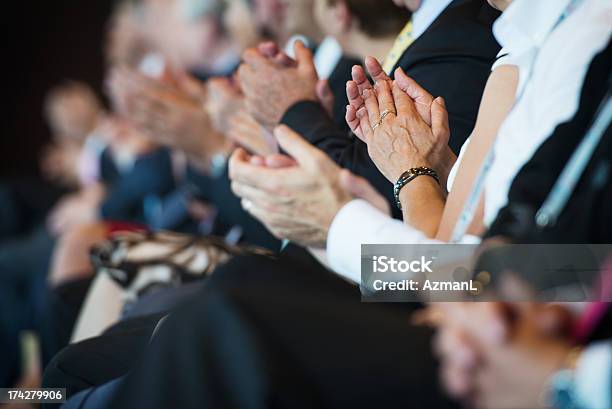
(325, 95)
(296, 146)
(360, 188)
(304, 57)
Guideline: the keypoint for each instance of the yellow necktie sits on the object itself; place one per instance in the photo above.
(402, 42)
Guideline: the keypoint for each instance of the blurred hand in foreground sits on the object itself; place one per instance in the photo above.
(500, 355)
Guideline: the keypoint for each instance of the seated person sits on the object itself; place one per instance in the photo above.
(293, 348)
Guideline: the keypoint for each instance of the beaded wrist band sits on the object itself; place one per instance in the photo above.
(408, 177)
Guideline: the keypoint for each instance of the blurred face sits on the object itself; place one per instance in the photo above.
(240, 24)
(325, 18)
(287, 17)
(186, 30)
(270, 14)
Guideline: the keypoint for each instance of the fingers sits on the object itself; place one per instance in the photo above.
(353, 121)
(304, 57)
(439, 119)
(385, 97)
(272, 52)
(362, 189)
(296, 146)
(325, 95)
(405, 105)
(419, 95)
(360, 78)
(365, 125)
(354, 95)
(376, 70)
(278, 161)
(268, 49)
(371, 105)
(256, 60)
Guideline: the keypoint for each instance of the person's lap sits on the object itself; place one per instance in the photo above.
(285, 337)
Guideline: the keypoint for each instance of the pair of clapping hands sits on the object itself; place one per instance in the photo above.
(403, 126)
(181, 112)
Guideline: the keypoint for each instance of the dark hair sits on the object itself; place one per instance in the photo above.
(377, 18)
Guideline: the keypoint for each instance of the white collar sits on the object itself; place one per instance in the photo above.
(426, 15)
(526, 24)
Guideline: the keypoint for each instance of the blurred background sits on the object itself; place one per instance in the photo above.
(44, 44)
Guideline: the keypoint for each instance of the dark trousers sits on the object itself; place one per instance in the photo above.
(24, 263)
(283, 334)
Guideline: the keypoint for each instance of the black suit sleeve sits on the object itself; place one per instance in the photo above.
(151, 176)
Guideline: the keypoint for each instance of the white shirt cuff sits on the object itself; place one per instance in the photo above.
(357, 223)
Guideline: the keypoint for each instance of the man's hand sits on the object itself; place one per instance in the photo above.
(224, 100)
(297, 200)
(169, 115)
(272, 84)
(248, 133)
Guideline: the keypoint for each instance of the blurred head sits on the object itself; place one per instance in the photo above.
(241, 25)
(72, 111)
(284, 18)
(126, 39)
(189, 33)
(372, 18)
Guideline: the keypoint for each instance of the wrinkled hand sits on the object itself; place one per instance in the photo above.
(223, 102)
(169, 115)
(414, 133)
(272, 83)
(326, 97)
(297, 200)
(248, 133)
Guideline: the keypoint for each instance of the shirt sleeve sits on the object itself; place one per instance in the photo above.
(357, 223)
(593, 377)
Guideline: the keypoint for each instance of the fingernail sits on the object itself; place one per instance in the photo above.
(366, 93)
(441, 101)
(361, 112)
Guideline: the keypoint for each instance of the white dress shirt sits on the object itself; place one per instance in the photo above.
(552, 57)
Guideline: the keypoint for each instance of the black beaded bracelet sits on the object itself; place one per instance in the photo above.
(408, 177)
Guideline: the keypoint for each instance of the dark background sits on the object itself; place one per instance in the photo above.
(43, 43)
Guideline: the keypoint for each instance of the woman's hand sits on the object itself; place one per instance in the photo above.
(397, 129)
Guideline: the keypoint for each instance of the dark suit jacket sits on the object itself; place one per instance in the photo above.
(587, 217)
(151, 176)
(452, 59)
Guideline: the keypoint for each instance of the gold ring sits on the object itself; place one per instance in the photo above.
(376, 124)
(385, 113)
